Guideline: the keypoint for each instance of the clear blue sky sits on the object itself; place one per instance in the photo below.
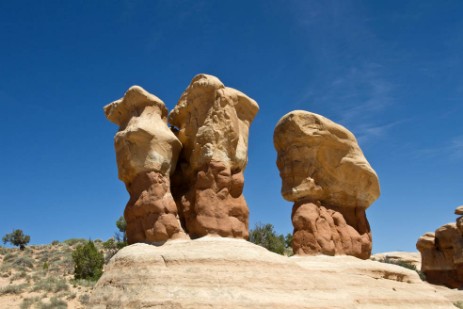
(390, 71)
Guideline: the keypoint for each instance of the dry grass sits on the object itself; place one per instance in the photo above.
(42, 277)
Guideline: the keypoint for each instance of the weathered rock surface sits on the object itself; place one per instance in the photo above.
(213, 125)
(412, 258)
(324, 171)
(330, 232)
(214, 272)
(146, 153)
(442, 255)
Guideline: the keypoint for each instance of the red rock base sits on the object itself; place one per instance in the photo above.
(327, 230)
(212, 203)
(151, 213)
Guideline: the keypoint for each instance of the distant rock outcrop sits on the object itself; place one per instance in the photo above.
(216, 272)
(146, 153)
(213, 125)
(326, 175)
(442, 253)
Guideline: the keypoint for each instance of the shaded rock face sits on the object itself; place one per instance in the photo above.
(442, 254)
(146, 154)
(324, 171)
(213, 125)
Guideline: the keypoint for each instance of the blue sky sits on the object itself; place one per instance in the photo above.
(390, 71)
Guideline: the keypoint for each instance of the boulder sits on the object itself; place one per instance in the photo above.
(212, 122)
(146, 154)
(215, 272)
(442, 255)
(324, 171)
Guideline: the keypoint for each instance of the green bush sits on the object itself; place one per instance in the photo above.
(88, 262)
(17, 238)
(265, 236)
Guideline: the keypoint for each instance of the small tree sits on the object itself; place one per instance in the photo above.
(17, 238)
(122, 226)
(265, 236)
(88, 262)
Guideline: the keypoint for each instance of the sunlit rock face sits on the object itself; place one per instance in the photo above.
(146, 154)
(326, 175)
(442, 253)
(213, 125)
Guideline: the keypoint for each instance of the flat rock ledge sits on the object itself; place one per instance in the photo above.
(214, 272)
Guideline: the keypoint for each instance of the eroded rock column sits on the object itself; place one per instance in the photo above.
(213, 125)
(442, 253)
(326, 175)
(146, 153)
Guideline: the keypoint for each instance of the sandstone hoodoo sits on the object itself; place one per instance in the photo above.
(212, 123)
(146, 153)
(442, 253)
(326, 175)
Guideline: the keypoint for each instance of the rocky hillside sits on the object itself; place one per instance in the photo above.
(42, 277)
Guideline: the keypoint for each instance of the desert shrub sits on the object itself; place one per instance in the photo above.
(19, 275)
(22, 262)
(84, 299)
(13, 289)
(55, 303)
(88, 262)
(51, 284)
(28, 302)
(17, 238)
(73, 241)
(55, 242)
(265, 236)
(9, 257)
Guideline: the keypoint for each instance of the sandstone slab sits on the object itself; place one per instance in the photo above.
(214, 272)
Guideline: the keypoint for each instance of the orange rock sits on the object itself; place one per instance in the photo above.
(442, 255)
(212, 122)
(324, 171)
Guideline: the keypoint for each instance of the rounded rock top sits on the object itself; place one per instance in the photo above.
(459, 210)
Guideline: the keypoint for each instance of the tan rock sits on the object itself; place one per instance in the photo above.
(459, 210)
(324, 171)
(442, 256)
(411, 258)
(321, 160)
(213, 125)
(214, 272)
(146, 153)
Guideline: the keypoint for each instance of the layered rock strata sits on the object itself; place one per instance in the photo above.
(326, 175)
(213, 126)
(146, 154)
(442, 253)
(216, 272)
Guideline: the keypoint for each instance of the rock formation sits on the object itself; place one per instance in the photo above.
(326, 175)
(442, 253)
(216, 272)
(146, 153)
(213, 125)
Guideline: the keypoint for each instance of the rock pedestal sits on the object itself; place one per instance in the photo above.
(146, 153)
(213, 125)
(442, 254)
(324, 171)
